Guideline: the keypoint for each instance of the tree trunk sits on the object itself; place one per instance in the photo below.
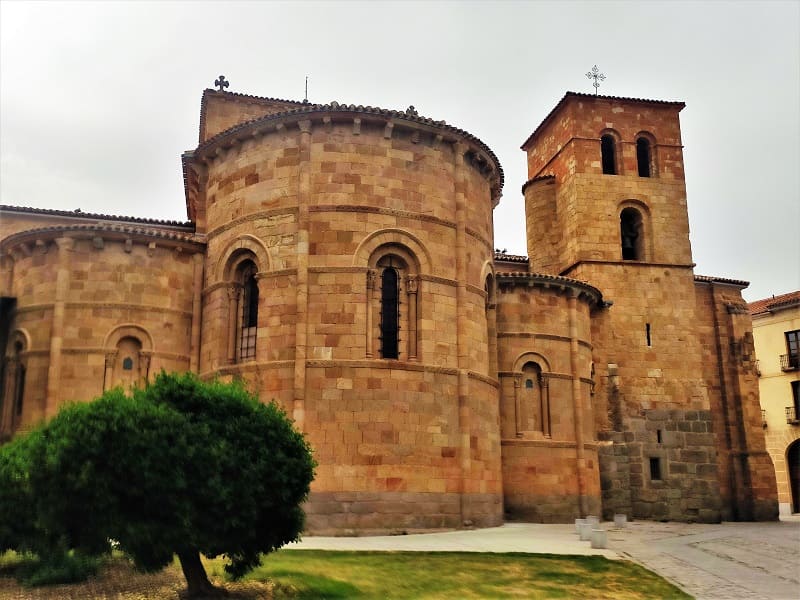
(196, 579)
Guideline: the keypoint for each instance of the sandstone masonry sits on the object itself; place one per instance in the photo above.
(340, 260)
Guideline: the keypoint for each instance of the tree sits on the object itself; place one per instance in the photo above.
(16, 508)
(182, 467)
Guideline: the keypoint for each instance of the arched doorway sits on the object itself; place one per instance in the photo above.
(793, 466)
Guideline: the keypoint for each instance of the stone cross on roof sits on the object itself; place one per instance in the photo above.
(221, 83)
(597, 76)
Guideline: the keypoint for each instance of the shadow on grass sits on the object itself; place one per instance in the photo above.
(312, 587)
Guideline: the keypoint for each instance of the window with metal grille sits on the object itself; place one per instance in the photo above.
(390, 313)
(248, 312)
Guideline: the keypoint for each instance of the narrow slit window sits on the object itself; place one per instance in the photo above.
(658, 435)
(647, 335)
(643, 156)
(127, 364)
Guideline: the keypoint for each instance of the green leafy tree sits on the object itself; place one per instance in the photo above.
(182, 467)
(17, 516)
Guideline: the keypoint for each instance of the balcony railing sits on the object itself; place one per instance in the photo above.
(763, 418)
(791, 415)
(790, 362)
(757, 366)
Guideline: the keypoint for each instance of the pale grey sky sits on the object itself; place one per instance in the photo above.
(98, 100)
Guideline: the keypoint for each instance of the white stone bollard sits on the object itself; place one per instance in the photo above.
(578, 523)
(620, 521)
(599, 538)
(592, 519)
(586, 531)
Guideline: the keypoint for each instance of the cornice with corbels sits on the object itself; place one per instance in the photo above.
(41, 240)
(303, 119)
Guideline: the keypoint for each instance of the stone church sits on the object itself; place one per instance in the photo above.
(339, 260)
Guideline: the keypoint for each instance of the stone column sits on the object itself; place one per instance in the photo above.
(545, 400)
(517, 405)
(145, 358)
(369, 342)
(412, 283)
(491, 335)
(108, 374)
(9, 396)
(301, 326)
(577, 403)
(234, 292)
(65, 246)
(197, 314)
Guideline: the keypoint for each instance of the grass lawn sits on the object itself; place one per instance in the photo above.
(337, 574)
(320, 574)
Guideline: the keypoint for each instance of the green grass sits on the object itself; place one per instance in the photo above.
(317, 574)
(332, 575)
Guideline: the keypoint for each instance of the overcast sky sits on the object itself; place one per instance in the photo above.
(99, 100)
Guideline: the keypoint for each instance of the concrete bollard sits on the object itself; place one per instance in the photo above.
(586, 531)
(592, 519)
(599, 538)
(620, 521)
(578, 523)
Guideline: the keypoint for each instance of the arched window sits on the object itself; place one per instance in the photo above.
(534, 404)
(608, 153)
(631, 234)
(127, 371)
(643, 156)
(248, 311)
(392, 284)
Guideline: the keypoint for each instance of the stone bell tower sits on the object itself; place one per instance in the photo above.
(606, 204)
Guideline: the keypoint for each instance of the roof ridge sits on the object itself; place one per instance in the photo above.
(88, 215)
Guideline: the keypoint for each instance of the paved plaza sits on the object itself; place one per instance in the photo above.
(759, 561)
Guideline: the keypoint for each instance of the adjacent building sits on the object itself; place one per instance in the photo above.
(340, 260)
(776, 334)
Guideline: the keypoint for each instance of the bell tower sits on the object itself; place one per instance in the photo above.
(606, 204)
(606, 185)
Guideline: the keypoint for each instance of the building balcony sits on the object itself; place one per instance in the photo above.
(791, 415)
(763, 418)
(790, 362)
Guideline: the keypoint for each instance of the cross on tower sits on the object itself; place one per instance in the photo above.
(221, 83)
(597, 76)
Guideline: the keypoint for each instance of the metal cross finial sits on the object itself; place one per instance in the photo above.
(221, 83)
(597, 76)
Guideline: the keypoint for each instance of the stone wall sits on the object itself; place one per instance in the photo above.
(684, 486)
(316, 202)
